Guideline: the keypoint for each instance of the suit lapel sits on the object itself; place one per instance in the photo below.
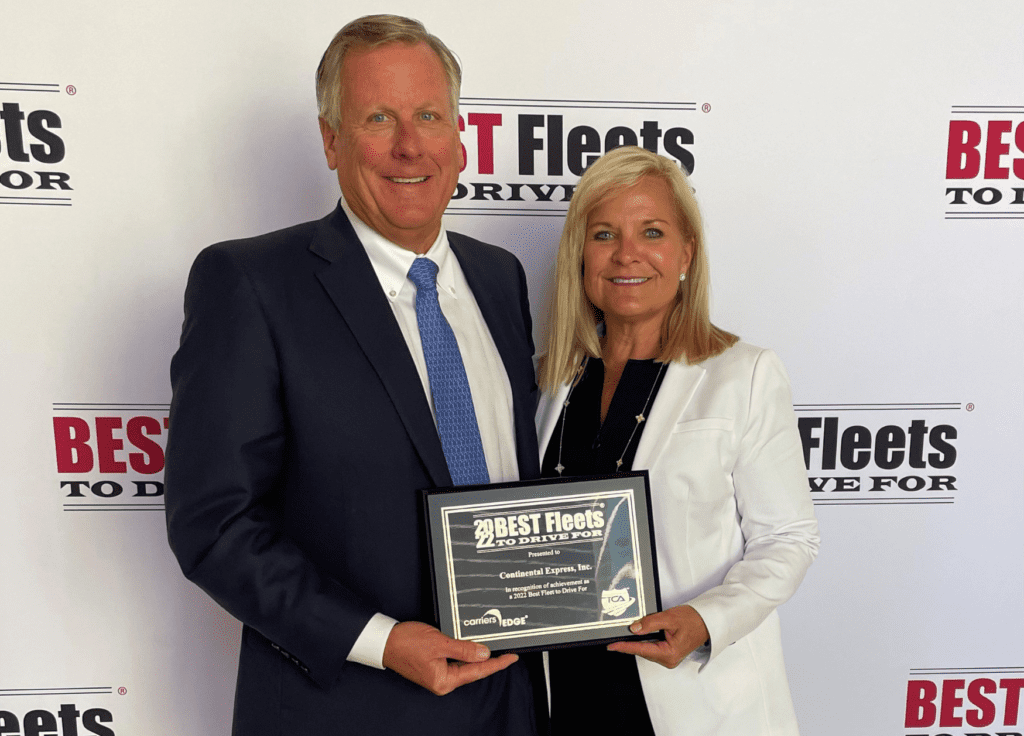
(676, 390)
(352, 285)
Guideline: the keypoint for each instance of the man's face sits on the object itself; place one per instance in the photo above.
(397, 150)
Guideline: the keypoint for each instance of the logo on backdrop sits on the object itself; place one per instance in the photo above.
(959, 701)
(880, 454)
(110, 457)
(985, 163)
(524, 157)
(32, 149)
(65, 719)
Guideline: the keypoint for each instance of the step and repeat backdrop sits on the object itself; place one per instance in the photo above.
(861, 168)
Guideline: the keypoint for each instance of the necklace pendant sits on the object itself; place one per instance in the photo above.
(618, 464)
(566, 404)
(640, 418)
(559, 468)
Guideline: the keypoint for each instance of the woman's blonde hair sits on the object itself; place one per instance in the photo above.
(687, 332)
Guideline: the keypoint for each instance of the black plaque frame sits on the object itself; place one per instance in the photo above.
(490, 577)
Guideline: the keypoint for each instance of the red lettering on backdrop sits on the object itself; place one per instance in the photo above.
(986, 709)
(107, 445)
(1018, 163)
(920, 703)
(923, 713)
(962, 158)
(1013, 688)
(151, 459)
(950, 688)
(995, 149)
(462, 129)
(485, 123)
(71, 437)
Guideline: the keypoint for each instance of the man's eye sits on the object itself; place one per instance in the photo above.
(378, 118)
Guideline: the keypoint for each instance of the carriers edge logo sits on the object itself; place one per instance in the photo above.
(31, 148)
(979, 145)
(525, 156)
(493, 616)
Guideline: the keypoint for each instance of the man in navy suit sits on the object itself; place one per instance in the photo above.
(303, 419)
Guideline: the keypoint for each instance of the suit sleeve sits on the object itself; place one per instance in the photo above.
(226, 451)
(775, 511)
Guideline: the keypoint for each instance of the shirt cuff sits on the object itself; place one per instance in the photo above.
(701, 655)
(369, 647)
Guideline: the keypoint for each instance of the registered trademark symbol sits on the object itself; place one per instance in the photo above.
(970, 407)
(122, 691)
(71, 89)
(706, 107)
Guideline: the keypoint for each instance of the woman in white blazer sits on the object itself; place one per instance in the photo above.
(636, 376)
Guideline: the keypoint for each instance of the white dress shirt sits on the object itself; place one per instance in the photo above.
(488, 382)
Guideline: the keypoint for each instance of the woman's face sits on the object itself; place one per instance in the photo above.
(633, 255)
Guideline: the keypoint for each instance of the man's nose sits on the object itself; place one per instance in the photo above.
(408, 140)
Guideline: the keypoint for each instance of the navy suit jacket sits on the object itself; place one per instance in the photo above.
(300, 440)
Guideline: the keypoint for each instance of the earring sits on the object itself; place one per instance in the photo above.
(682, 277)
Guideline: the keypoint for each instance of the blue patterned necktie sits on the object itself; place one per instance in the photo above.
(453, 402)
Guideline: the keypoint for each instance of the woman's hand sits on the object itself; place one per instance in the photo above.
(684, 631)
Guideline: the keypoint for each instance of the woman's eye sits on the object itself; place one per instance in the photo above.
(602, 235)
(653, 232)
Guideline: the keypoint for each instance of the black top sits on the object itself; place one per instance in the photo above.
(595, 691)
(590, 447)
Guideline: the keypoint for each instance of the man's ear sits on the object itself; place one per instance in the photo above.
(330, 140)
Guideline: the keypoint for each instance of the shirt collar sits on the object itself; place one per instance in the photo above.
(391, 262)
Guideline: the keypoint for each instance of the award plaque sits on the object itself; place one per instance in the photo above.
(542, 564)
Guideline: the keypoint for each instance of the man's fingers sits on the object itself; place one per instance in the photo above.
(463, 651)
(457, 674)
(461, 674)
(421, 653)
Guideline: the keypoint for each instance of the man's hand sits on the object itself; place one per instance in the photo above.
(684, 631)
(420, 653)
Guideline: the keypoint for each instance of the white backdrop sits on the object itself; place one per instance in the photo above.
(880, 256)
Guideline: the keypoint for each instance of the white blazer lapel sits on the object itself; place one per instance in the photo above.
(548, 409)
(681, 381)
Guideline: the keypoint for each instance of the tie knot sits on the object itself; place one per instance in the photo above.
(423, 273)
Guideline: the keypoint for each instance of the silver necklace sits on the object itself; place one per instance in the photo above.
(640, 418)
